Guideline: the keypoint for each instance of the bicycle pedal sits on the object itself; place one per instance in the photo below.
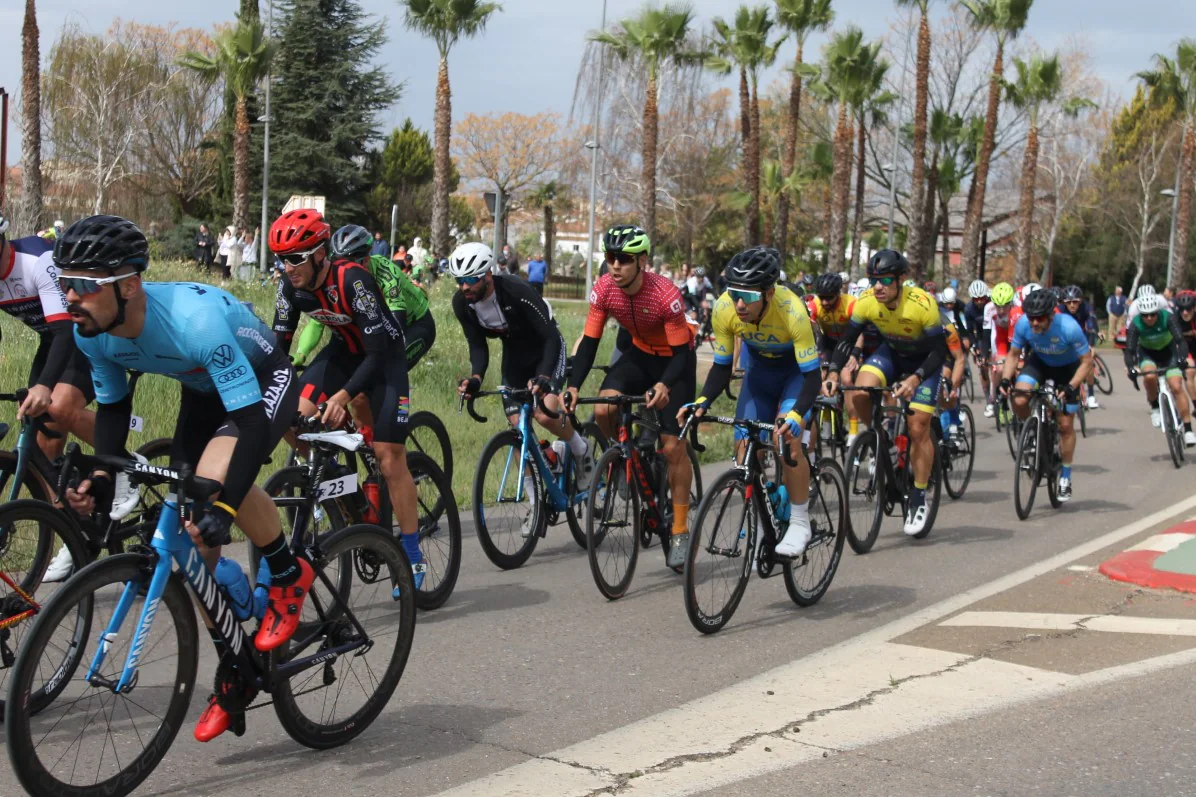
(237, 725)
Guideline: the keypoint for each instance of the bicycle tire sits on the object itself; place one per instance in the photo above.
(740, 546)
(863, 525)
(576, 510)
(1104, 377)
(487, 528)
(20, 734)
(1013, 432)
(666, 500)
(156, 450)
(1082, 412)
(439, 530)
(968, 424)
(32, 485)
(1171, 428)
(1028, 462)
(339, 547)
(425, 419)
(59, 526)
(969, 385)
(829, 478)
(602, 544)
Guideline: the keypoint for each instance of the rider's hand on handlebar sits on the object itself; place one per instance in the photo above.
(657, 397)
(540, 385)
(831, 385)
(92, 494)
(906, 387)
(1004, 386)
(569, 397)
(335, 411)
(789, 425)
(35, 404)
(469, 386)
(698, 409)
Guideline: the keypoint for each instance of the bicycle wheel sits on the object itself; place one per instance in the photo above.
(1171, 428)
(508, 502)
(612, 524)
(934, 487)
(333, 701)
(32, 533)
(1013, 431)
(575, 513)
(288, 488)
(439, 531)
(32, 485)
(719, 561)
(665, 499)
(91, 740)
(866, 491)
(808, 579)
(969, 385)
(1104, 377)
(426, 434)
(1027, 467)
(960, 455)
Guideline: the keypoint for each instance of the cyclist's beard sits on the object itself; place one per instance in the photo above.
(89, 328)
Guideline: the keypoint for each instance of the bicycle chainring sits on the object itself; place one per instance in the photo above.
(234, 690)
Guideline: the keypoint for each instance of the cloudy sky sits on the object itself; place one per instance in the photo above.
(527, 60)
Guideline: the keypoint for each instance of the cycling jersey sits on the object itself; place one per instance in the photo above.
(519, 317)
(347, 301)
(1145, 342)
(29, 288)
(912, 329)
(1062, 343)
(785, 327)
(977, 316)
(655, 315)
(833, 322)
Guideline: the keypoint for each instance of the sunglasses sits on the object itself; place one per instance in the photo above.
(86, 286)
(1150, 315)
(747, 297)
(1038, 318)
(470, 281)
(888, 282)
(297, 258)
(622, 258)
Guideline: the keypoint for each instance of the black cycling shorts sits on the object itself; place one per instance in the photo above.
(390, 398)
(202, 416)
(419, 335)
(520, 367)
(637, 372)
(77, 372)
(1036, 372)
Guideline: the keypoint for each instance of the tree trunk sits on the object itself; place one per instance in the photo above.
(1025, 249)
(241, 167)
(31, 122)
(946, 235)
(249, 11)
(745, 111)
(1180, 258)
(753, 157)
(789, 154)
(651, 125)
(857, 225)
(840, 190)
(549, 236)
(969, 259)
(1045, 277)
(916, 245)
(441, 165)
(929, 231)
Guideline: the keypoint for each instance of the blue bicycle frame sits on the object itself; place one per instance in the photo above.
(555, 483)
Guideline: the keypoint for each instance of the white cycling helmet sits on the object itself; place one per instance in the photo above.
(1029, 288)
(947, 296)
(978, 289)
(862, 284)
(1150, 303)
(3, 224)
(843, 275)
(470, 260)
(1145, 290)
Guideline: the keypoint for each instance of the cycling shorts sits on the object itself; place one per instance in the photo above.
(203, 418)
(1162, 359)
(765, 385)
(390, 398)
(519, 366)
(637, 372)
(419, 334)
(77, 372)
(891, 368)
(1035, 372)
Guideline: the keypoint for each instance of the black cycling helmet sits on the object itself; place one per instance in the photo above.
(887, 262)
(1072, 292)
(757, 268)
(1039, 303)
(627, 238)
(351, 241)
(807, 280)
(1185, 301)
(101, 243)
(828, 285)
(1058, 292)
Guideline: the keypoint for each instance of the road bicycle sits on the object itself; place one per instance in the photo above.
(828, 429)
(738, 526)
(630, 500)
(522, 484)
(880, 472)
(1173, 427)
(957, 451)
(1038, 454)
(105, 677)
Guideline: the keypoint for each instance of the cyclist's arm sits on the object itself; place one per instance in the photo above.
(933, 363)
(719, 375)
(587, 349)
(309, 339)
(286, 316)
(680, 339)
(1179, 346)
(1131, 346)
(855, 332)
(539, 322)
(369, 315)
(114, 405)
(479, 351)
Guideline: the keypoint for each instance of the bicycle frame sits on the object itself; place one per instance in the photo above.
(653, 518)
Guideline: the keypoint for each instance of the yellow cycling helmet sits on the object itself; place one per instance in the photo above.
(1002, 294)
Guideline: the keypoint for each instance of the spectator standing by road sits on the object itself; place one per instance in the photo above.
(537, 273)
(205, 245)
(512, 261)
(1115, 306)
(249, 246)
(380, 247)
(227, 239)
(417, 251)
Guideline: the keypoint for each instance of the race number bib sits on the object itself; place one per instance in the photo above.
(335, 488)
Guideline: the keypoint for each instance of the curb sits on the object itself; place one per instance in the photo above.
(1137, 565)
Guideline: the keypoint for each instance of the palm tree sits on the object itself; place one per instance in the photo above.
(444, 22)
(659, 37)
(919, 224)
(549, 197)
(1175, 80)
(1005, 18)
(801, 18)
(746, 45)
(242, 59)
(31, 110)
(875, 104)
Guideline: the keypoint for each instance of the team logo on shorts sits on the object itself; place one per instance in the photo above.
(404, 409)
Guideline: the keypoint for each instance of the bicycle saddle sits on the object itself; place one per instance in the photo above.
(349, 441)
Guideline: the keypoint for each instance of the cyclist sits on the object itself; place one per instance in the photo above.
(953, 369)
(1073, 304)
(978, 299)
(910, 357)
(830, 310)
(366, 355)
(661, 362)
(238, 398)
(781, 379)
(1154, 343)
(1055, 348)
(1185, 316)
(998, 314)
(506, 307)
(407, 303)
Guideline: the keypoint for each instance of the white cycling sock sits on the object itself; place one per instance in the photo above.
(577, 445)
(799, 514)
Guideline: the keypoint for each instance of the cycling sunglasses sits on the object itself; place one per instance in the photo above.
(1034, 318)
(622, 258)
(297, 258)
(86, 286)
(470, 281)
(747, 297)
(888, 281)
(1149, 315)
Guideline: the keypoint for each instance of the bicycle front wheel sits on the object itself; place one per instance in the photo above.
(808, 579)
(612, 524)
(1104, 377)
(719, 561)
(1171, 428)
(90, 740)
(439, 531)
(960, 455)
(508, 502)
(1028, 466)
(866, 491)
(330, 702)
(427, 435)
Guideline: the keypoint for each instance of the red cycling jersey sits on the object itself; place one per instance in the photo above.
(655, 315)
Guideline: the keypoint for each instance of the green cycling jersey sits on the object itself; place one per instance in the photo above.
(408, 303)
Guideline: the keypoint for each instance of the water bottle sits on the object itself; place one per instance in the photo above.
(902, 447)
(559, 447)
(778, 498)
(235, 585)
(261, 592)
(549, 456)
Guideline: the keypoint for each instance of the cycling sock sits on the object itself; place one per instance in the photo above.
(1187, 426)
(799, 514)
(917, 497)
(1065, 472)
(853, 425)
(577, 444)
(1154, 405)
(284, 570)
(680, 518)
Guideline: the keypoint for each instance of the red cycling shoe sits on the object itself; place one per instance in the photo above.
(284, 609)
(213, 722)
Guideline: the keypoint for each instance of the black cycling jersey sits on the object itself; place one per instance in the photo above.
(524, 324)
(973, 316)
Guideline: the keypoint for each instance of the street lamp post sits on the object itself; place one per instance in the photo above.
(1174, 194)
(593, 147)
(265, 226)
(892, 171)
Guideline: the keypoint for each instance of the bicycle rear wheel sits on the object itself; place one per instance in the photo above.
(866, 491)
(439, 531)
(1171, 427)
(719, 562)
(90, 740)
(508, 516)
(960, 455)
(427, 435)
(330, 703)
(575, 513)
(808, 579)
(1104, 377)
(612, 525)
(1028, 464)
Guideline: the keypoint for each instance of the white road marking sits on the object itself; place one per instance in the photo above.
(1045, 621)
(858, 692)
(1161, 543)
(1081, 568)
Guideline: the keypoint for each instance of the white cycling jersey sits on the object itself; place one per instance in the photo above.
(29, 288)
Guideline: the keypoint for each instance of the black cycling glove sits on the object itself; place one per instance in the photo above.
(214, 527)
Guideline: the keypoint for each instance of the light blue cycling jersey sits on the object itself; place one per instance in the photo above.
(1063, 342)
(202, 336)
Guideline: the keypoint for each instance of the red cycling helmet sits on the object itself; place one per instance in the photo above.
(298, 231)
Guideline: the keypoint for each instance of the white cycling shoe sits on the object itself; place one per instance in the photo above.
(1156, 418)
(915, 521)
(60, 567)
(1190, 439)
(1093, 404)
(989, 410)
(796, 538)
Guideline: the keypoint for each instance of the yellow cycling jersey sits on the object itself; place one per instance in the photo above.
(910, 329)
(784, 327)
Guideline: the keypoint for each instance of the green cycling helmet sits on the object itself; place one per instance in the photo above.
(1002, 294)
(626, 238)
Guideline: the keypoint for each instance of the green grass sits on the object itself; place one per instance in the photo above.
(433, 381)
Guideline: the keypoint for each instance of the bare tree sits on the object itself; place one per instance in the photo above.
(1132, 201)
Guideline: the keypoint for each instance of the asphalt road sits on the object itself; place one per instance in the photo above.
(521, 664)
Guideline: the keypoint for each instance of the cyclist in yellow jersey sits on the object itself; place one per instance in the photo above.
(910, 358)
(781, 364)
